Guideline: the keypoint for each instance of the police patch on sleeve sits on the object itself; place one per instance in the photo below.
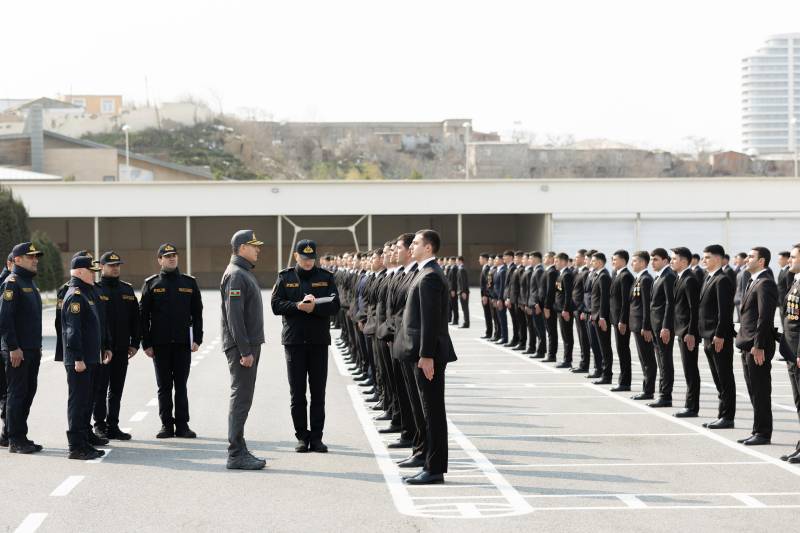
(236, 292)
(8, 295)
(75, 308)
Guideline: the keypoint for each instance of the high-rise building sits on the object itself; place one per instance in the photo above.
(771, 97)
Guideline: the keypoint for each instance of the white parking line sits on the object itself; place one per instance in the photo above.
(100, 459)
(749, 500)
(138, 416)
(616, 465)
(510, 413)
(31, 523)
(631, 501)
(67, 485)
(557, 435)
(153, 403)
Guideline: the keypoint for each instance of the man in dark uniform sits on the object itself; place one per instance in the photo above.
(21, 344)
(499, 282)
(547, 295)
(562, 306)
(463, 290)
(510, 291)
(620, 315)
(639, 323)
(662, 317)
(121, 310)
(536, 305)
(791, 336)
(3, 387)
(242, 336)
(483, 260)
(452, 280)
(581, 271)
(306, 338)
(600, 316)
(687, 297)
(697, 269)
(785, 280)
(756, 341)
(82, 345)
(172, 328)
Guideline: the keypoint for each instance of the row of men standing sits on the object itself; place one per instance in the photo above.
(542, 295)
(396, 306)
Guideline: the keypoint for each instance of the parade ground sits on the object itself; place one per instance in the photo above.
(532, 448)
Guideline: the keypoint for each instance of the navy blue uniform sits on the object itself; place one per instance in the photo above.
(20, 328)
(82, 341)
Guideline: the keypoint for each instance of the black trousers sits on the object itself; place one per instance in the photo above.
(22, 383)
(307, 363)
(551, 324)
(487, 317)
(431, 394)
(407, 423)
(495, 320)
(79, 405)
(647, 360)
(692, 374)
(594, 342)
(3, 395)
(420, 446)
(454, 309)
(604, 341)
(623, 343)
(567, 336)
(502, 319)
(721, 365)
(512, 312)
(541, 333)
(794, 379)
(522, 324)
(464, 301)
(172, 363)
(109, 382)
(583, 341)
(666, 370)
(759, 387)
(532, 333)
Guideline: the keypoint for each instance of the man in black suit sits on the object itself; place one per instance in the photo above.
(452, 281)
(515, 299)
(495, 261)
(791, 340)
(715, 326)
(756, 340)
(730, 271)
(697, 269)
(424, 342)
(662, 317)
(687, 297)
(581, 271)
(562, 305)
(524, 299)
(483, 259)
(499, 283)
(509, 297)
(536, 304)
(600, 316)
(463, 290)
(785, 280)
(639, 322)
(547, 295)
(740, 280)
(620, 313)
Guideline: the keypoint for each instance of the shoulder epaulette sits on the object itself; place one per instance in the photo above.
(187, 276)
(151, 277)
(285, 270)
(11, 278)
(126, 283)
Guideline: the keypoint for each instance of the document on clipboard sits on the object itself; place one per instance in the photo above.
(324, 300)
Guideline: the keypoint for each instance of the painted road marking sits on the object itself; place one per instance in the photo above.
(67, 485)
(31, 523)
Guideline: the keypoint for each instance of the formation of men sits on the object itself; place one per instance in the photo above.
(397, 302)
(532, 300)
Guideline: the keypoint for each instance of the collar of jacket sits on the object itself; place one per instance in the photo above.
(170, 274)
(110, 281)
(242, 262)
(79, 283)
(22, 272)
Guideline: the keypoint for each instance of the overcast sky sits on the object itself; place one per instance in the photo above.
(644, 72)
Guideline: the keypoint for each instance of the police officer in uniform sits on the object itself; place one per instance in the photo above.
(306, 337)
(21, 344)
(82, 346)
(172, 328)
(242, 337)
(121, 310)
(3, 389)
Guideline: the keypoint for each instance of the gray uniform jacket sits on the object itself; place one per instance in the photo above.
(242, 309)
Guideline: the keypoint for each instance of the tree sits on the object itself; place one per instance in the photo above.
(13, 222)
(50, 274)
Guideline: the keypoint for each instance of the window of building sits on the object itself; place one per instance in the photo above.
(80, 102)
(107, 105)
(109, 178)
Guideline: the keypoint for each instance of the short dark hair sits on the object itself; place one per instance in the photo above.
(684, 252)
(518, 253)
(796, 246)
(660, 252)
(582, 251)
(696, 256)
(763, 253)
(431, 236)
(508, 252)
(742, 255)
(378, 251)
(623, 254)
(460, 258)
(591, 252)
(600, 256)
(407, 238)
(643, 255)
(726, 257)
(785, 254)
(537, 255)
(550, 254)
(714, 249)
(562, 257)
(485, 255)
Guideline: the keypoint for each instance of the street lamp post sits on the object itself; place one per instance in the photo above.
(467, 126)
(125, 129)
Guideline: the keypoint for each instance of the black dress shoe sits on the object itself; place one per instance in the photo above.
(579, 370)
(184, 432)
(415, 461)
(361, 377)
(317, 446)
(593, 375)
(485, 336)
(519, 348)
(564, 364)
(661, 402)
(756, 440)
(101, 431)
(390, 429)
(384, 416)
(117, 434)
(550, 359)
(373, 399)
(794, 453)
(602, 381)
(425, 478)
(369, 382)
(642, 396)
(722, 423)
(402, 443)
(686, 413)
(794, 460)
(378, 407)
(621, 388)
(84, 454)
(3, 442)
(24, 448)
(95, 440)
(167, 432)
(529, 351)
(741, 441)
(301, 446)
(368, 392)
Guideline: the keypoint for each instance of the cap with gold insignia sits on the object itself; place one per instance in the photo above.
(111, 258)
(84, 261)
(167, 249)
(307, 249)
(26, 248)
(245, 236)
